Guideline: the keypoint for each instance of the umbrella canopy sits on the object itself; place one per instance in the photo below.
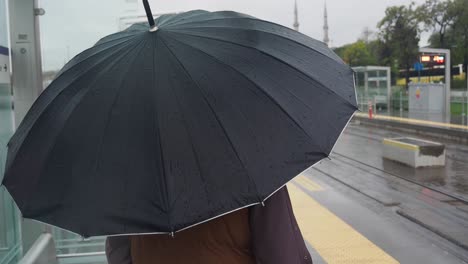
(158, 128)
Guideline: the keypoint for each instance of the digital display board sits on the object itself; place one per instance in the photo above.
(432, 59)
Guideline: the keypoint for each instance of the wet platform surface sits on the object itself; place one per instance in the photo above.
(363, 144)
(360, 208)
(343, 228)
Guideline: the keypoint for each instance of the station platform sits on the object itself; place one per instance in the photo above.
(341, 227)
(455, 132)
(408, 215)
(406, 120)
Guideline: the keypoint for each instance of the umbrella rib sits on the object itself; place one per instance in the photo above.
(127, 34)
(36, 114)
(58, 134)
(263, 21)
(197, 160)
(174, 22)
(259, 88)
(182, 16)
(109, 113)
(161, 152)
(247, 17)
(265, 53)
(95, 54)
(225, 18)
(335, 59)
(217, 120)
(162, 19)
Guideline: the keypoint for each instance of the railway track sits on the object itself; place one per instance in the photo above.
(365, 167)
(379, 139)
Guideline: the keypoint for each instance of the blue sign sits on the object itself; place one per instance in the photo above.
(418, 66)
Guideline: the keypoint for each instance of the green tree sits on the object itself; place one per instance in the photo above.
(400, 34)
(340, 50)
(451, 42)
(438, 16)
(357, 54)
(460, 29)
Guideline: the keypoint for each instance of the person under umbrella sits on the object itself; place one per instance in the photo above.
(261, 234)
(158, 129)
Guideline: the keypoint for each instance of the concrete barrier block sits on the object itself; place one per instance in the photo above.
(414, 152)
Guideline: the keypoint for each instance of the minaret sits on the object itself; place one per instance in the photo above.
(296, 17)
(326, 38)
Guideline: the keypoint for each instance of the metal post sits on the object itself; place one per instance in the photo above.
(419, 69)
(465, 98)
(26, 77)
(389, 89)
(448, 83)
(463, 108)
(401, 103)
(375, 105)
(366, 84)
(25, 55)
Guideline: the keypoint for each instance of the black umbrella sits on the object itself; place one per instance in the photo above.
(156, 129)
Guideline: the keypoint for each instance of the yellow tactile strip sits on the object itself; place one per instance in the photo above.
(399, 144)
(414, 121)
(332, 238)
(307, 183)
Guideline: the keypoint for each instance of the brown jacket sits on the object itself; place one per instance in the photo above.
(262, 234)
(223, 240)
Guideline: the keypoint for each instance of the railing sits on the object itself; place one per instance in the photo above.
(41, 252)
(10, 242)
(399, 103)
(44, 251)
(83, 258)
(11, 255)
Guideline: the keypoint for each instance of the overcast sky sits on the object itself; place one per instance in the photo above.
(69, 27)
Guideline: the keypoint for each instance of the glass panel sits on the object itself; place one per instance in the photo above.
(59, 45)
(9, 227)
(69, 243)
(10, 243)
(101, 259)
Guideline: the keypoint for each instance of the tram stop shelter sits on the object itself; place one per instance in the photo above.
(373, 84)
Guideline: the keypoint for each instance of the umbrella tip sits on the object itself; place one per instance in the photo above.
(153, 29)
